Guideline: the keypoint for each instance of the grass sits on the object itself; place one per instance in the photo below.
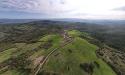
(74, 33)
(56, 41)
(5, 55)
(13, 72)
(22, 47)
(37, 54)
(65, 61)
(5, 46)
(68, 63)
(46, 38)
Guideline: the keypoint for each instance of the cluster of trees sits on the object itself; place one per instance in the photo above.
(28, 32)
(112, 35)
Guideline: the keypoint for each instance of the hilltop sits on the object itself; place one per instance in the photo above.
(77, 57)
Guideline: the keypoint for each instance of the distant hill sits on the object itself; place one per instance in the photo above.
(99, 22)
(7, 21)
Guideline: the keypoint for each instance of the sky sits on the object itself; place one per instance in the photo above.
(83, 9)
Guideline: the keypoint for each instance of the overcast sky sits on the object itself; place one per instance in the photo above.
(85, 9)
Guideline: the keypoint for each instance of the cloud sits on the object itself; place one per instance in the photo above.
(18, 4)
(120, 9)
(34, 6)
(65, 8)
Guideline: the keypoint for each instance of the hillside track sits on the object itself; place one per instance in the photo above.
(67, 39)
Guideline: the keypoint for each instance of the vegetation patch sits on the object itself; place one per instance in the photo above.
(78, 52)
(5, 55)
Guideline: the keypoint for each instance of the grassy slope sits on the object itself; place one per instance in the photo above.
(23, 47)
(12, 72)
(63, 61)
(67, 63)
(5, 55)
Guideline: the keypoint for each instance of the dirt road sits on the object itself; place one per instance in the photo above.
(40, 66)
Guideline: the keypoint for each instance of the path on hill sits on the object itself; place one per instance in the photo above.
(68, 40)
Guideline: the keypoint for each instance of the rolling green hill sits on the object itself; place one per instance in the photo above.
(76, 58)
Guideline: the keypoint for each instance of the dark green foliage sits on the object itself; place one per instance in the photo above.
(47, 45)
(97, 64)
(114, 36)
(87, 67)
(47, 73)
(28, 32)
(70, 51)
(19, 62)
